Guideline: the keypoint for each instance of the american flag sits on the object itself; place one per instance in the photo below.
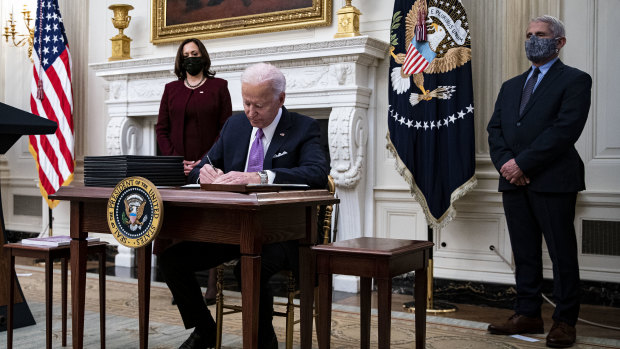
(51, 97)
(419, 56)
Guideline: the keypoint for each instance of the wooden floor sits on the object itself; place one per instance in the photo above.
(609, 316)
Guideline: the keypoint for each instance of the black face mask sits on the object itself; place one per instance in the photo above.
(537, 49)
(193, 65)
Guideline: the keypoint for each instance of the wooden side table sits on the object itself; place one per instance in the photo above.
(369, 258)
(49, 254)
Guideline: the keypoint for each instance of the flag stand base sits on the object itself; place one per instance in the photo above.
(431, 306)
(436, 308)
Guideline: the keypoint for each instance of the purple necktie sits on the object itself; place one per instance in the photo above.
(255, 160)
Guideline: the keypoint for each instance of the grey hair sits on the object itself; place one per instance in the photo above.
(556, 26)
(261, 73)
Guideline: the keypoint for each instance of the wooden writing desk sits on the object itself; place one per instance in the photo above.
(247, 220)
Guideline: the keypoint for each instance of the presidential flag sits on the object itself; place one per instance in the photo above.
(431, 103)
(51, 97)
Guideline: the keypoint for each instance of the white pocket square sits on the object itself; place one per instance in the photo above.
(280, 154)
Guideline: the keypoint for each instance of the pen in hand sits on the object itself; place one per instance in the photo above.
(214, 168)
(210, 163)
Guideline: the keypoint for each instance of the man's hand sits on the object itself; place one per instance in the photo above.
(189, 165)
(511, 171)
(520, 181)
(234, 177)
(208, 174)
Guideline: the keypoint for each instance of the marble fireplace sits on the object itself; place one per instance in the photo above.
(332, 80)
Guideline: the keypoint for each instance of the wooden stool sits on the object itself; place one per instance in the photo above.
(368, 258)
(49, 254)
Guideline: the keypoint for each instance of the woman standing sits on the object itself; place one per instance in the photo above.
(192, 112)
(193, 108)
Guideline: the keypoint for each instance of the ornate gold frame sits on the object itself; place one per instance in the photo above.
(320, 14)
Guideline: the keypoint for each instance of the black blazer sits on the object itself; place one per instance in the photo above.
(542, 139)
(294, 154)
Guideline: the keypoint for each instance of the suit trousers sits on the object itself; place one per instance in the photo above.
(178, 264)
(531, 215)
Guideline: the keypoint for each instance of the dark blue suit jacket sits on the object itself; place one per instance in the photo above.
(294, 154)
(542, 139)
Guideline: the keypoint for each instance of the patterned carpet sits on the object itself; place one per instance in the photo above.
(166, 330)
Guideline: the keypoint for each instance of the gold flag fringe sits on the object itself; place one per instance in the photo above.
(51, 203)
(435, 223)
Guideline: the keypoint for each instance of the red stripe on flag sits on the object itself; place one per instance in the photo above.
(64, 57)
(420, 65)
(43, 180)
(419, 59)
(417, 65)
(60, 93)
(412, 57)
(50, 113)
(48, 149)
(415, 61)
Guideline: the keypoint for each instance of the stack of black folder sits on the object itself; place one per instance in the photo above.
(107, 171)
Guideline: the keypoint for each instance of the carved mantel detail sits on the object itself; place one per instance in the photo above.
(347, 144)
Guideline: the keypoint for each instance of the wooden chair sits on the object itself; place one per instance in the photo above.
(49, 254)
(325, 224)
(369, 258)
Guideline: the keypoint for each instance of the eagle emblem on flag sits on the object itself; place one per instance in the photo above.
(431, 103)
(134, 209)
(446, 47)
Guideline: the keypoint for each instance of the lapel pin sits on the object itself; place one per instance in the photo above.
(281, 134)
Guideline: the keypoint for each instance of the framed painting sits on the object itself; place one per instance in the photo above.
(175, 20)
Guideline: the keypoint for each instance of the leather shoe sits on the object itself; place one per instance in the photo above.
(199, 341)
(561, 335)
(518, 324)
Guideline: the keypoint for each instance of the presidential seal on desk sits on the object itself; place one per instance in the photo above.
(135, 212)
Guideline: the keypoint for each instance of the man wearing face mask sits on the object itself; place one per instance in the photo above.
(538, 117)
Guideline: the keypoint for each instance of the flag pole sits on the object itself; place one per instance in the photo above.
(431, 305)
(50, 220)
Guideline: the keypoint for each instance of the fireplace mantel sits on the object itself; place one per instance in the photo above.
(334, 79)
